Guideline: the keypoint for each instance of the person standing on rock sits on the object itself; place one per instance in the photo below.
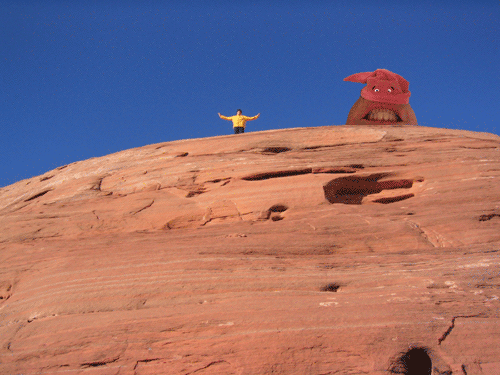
(239, 121)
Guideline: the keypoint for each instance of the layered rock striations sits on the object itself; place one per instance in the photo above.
(344, 249)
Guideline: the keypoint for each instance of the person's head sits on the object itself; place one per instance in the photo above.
(239, 112)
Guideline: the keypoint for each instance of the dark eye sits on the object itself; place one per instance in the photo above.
(376, 90)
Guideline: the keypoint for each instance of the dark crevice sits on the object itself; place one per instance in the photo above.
(301, 171)
(37, 195)
(275, 150)
(46, 178)
(448, 331)
(333, 170)
(488, 286)
(478, 147)
(207, 366)
(331, 287)
(194, 193)
(143, 208)
(145, 361)
(325, 146)
(99, 363)
(274, 212)
(278, 208)
(357, 166)
(217, 180)
(394, 199)
(276, 174)
(488, 217)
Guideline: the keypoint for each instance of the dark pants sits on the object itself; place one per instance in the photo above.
(239, 129)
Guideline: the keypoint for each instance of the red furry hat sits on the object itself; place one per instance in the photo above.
(383, 86)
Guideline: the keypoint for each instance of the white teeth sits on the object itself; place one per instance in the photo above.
(379, 114)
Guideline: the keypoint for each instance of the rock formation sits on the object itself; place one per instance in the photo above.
(329, 250)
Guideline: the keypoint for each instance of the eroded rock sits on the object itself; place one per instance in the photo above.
(244, 254)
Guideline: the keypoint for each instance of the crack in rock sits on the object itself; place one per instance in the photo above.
(145, 361)
(277, 174)
(452, 325)
(207, 366)
(394, 199)
(43, 192)
(99, 363)
(297, 172)
(143, 208)
(46, 178)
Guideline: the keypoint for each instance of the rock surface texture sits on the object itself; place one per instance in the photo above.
(330, 250)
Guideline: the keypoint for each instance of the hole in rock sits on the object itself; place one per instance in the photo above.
(275, 150)
(278, 208)
(332, 287)
(415, 361)
(352, 190)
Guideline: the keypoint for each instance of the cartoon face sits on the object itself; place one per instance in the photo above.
(384, 100)
(385, 88)
(367, 112)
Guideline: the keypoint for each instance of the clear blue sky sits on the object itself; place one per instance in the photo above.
(82, 79)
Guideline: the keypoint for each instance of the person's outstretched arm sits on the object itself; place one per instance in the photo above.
(224, 117)
(253, 118)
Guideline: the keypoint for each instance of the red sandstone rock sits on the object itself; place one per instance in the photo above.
(325, 250)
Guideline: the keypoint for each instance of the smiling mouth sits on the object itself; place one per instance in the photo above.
(382, 114)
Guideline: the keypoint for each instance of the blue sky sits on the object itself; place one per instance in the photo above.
(82, 79)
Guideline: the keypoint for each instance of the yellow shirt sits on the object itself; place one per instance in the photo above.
(239, 120)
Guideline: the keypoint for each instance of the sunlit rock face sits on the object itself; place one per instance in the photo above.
(329, 250)
(383, 101)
